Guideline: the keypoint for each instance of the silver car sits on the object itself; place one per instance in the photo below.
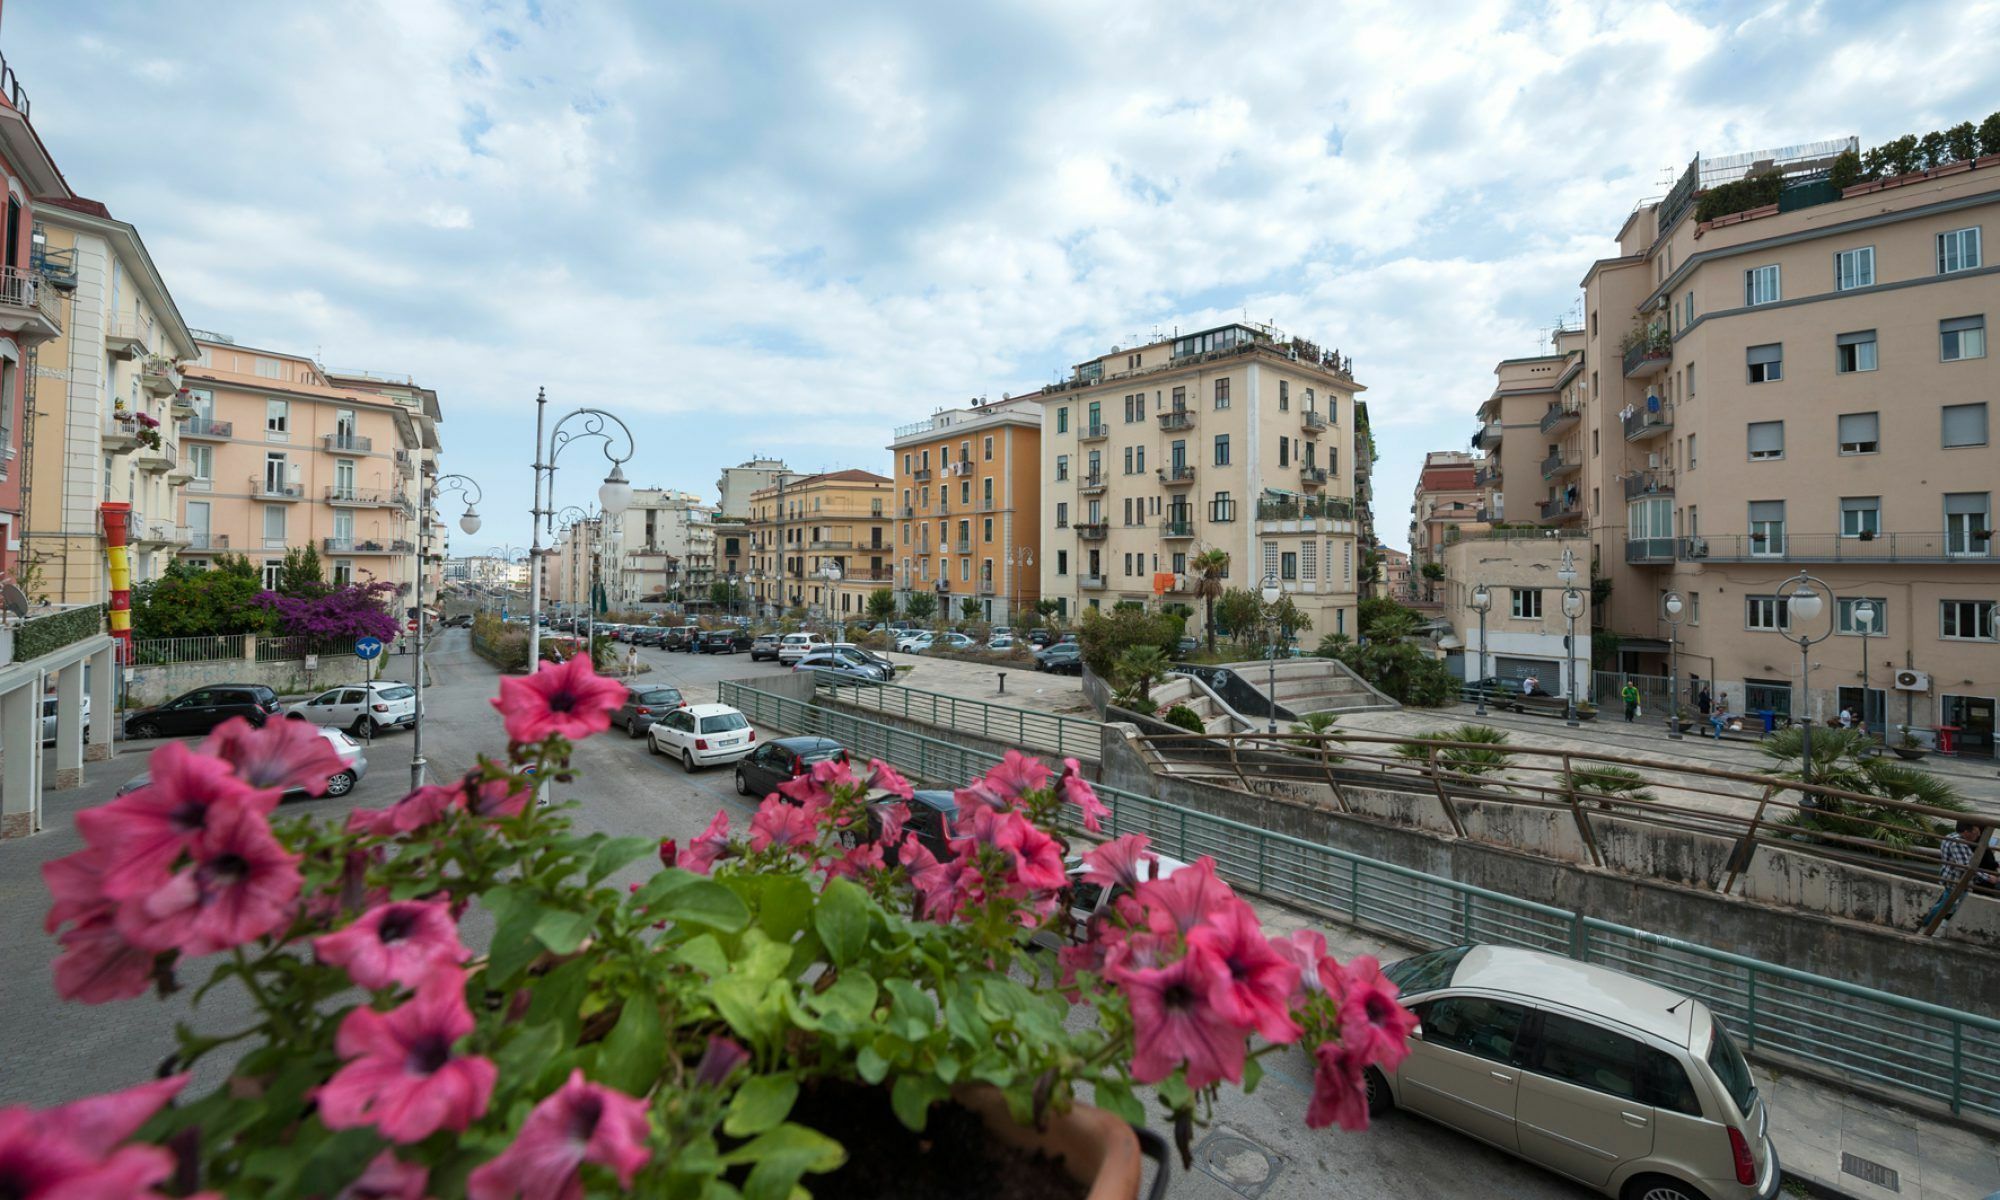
(351, 754)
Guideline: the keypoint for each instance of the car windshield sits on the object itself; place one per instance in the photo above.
(1425, 972)
(397, 693)
(657, 696)
(723, 723)
(1727, 1063)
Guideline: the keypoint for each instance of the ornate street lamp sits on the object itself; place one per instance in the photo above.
(427, 494)
(1803, 606)
(1482, 603)
(1864, 616)
(1672, 606)
(614, 495)
(1572, 608)
(1271, 595)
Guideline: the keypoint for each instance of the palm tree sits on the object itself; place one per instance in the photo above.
(1139, 666)
(1850, 761)
(1209, 564)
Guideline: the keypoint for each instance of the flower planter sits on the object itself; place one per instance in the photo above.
(1910, 753)
(1096, 1148)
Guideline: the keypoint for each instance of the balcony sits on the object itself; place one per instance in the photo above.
(155, 459)
(1648, 357)
(1093, 433)
(943, 507)
(1642, 425)
(1181, 475)
(1559, 416)
(1091, 583)
(347, 497)
(202, 539)
(1555, 466)
(1093, 485)
(1560, 509)
(1312, 423)
(153, 535)
(1486, 476)
(123, 339)
(1641, 551)
(1488, 437)
(1305, 508)
(30, 307)
(909, 510)
(831, 544)
(347, 443)
(1649, 483)
(921, 475)
(1837, 548)
(1093, 531)
(119, 435)
(159, 376)
(962, 546)
(348, 545)
(402, 546)
(182, 471)
(984, 587)
(406, 465)
(1177, 419)
(1312, 477)
(208, 428)
(264, 488)
(1177, 528)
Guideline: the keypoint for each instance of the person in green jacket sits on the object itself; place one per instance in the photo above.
(1631, 697)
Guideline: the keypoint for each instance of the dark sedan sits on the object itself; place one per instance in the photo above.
(786, 758)
(724, 641)
(1063, 658)
(201, 710)
(643, 706)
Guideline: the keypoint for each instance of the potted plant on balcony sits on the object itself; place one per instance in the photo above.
(766, 1009)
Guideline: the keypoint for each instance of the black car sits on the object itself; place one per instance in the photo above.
(643, 706)
(1063, 658)
(786, 758)
(724, 641)
(929, 811)
(1040, 637)
(201, 710)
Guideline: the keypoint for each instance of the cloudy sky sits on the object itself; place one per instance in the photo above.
(756, 228)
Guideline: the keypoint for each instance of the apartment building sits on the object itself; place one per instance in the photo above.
(577, 569)
(1236, 438)
(968, 508)
(737, 484)
(1534, 399)
(663, 544)
(1803, 386)
(487, 570)
(281, 456)
(1447, 497)
(108, 381)
(820, 543)
(1395, 573)
(417, 467)
(1526, 631)
(31, 304)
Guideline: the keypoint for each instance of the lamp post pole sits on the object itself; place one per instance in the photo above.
(1673, 605)
(426, 494)
(1864, 616)
(832, 573)
(1802, 606)
(1271, 595)
(1482, 601)
(613, 495)
(1572, 609)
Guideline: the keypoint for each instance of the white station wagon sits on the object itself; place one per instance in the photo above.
(702, 735)
(362, 709)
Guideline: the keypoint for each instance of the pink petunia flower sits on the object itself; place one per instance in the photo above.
(813, 788)
(1174, 1021)
(71, 1152)
(504, 797)
(777, 822)
(1255, 987)
(1306, 950)
(1035, 860)
(707, 846)
(1372, 1021)
(98, 965)
(865, 857)
(278, 754)
(580, 1122)
(238, 885)
(1117, 863)
(142, 834)
(402, 1074)
(941, 886)
(719, 1061)
(1075, 789)
(1017, 773)
(399, 942)
(424, 807)
(388, 1178)
(669, 852)
(887, 778)
(1185, 898)
(889, 821)
(1339, 1094)
(566, 698)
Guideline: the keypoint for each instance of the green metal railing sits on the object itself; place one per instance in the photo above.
(1027, 728)
(1834, 1028)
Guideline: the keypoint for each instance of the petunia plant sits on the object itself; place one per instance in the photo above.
(459, 995)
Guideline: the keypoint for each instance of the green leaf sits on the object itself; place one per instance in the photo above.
(613, 853)
(522, 1058)
(760, 1105)
(842, 920)
(560, 930)
(785, 907)
(701, 902)
(740, 1001)
(635, 1050)
(913, 1007)
(337, 1162)
(1253, 1074)
(947, 1068)
(1175, 1093)
(514, 945)
(704, 954)
(1115, 1096)
(870, 1065)
(557, 998)
(781, 1156)
(912, 1097)
(851, 999)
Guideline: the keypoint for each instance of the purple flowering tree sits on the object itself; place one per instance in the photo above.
(341, 614)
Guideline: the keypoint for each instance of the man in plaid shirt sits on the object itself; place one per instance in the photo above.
(1958, 852)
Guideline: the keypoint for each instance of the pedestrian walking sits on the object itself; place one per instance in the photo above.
(1958, 851)
(631, 659)
(1631, 697)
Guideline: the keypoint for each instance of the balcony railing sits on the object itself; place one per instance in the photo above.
(1641, 424)
(159, 376)
(921, 475)
(831, 544)
(1312, 422)
(163, 457)
(1093, 483)
(1091, 583)
(1093, 433)
(1657, 482)
(1559, 416)
(117, 435)
(1649, 550)
(208, 427)
(348, 545)
(1560, 509)
(202, 539)
(1296, 508)
(984, 587)
(963, 546)
(1177, 476)
(1648, 357)
(161, 533)
(1486, 476)
(1838, 548)
(270, 489)
(27, 300)
(352, 443)
(1555, 465)
(1312, 476)
(1177, 419)
(1488, 436)
(1093, 531)
(359, 498)
(1177, 527)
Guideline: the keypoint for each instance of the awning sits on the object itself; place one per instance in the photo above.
(1644, 645)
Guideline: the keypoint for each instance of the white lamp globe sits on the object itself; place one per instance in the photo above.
(1572, 604)
(1481, 599)
(1805, 604)
(1271, 591)
(1674, 604)
(470, 521)
(615, 495)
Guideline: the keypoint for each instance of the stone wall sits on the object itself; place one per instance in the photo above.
(148, 685)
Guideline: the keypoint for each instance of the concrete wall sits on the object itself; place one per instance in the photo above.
(1805, 913)
(157, 684)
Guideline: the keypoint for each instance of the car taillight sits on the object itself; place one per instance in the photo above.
(753, 735)
(642, 710)
(701, 743)
(381, 708)
(798, 767)
(1739, 1147)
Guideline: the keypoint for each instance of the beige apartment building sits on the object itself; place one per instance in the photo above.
(662, 544)
(820, 543)
(1533, 404)
(421, 403)
(1805, 386)
(1235, 438)
(280, 455)
(1447, 498)
(968, 508)
(1526, 633)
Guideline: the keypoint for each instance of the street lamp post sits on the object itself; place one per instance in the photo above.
(1802, 607)
(613, 495)
(1271, 594)
(1572, 609)
(1022, 556)
(1482, 602)
(832, 573)
(1673, 605)
(427, 494)
(1864, 616)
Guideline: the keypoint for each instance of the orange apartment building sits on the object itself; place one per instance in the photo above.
(820, 543)
(968, 509)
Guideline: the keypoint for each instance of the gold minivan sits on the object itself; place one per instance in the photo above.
(1622, 1085)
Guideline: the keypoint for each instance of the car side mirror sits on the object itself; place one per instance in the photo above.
(1417, 1032)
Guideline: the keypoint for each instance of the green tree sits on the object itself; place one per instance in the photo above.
(301, 574)
(723, 594)
(1239, 611)
(920, 606)
(1931, 150)
(1846, 169)
(881, 604)
(1139, 667)
(1209, 567)
(190, 602)
(1989, 135)
(1961, 142)
(1104, 637)
(969, 609)
(1848, 760)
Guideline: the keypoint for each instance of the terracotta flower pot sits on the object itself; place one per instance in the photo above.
(1096, 1147)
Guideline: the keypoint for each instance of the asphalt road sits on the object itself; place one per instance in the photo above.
(52, 1051)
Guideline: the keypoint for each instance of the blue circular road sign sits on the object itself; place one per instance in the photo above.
(367, 647)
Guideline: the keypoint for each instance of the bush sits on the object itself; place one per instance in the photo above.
(1610, 783)
(1740, 196)
(1103, 637)
(1480, 758)
(1403, 671)
(1846, 170)
(1847, 759)
(1142, 705)
(1186, 718)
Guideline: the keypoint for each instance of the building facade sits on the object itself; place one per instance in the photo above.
(1447, 498)
(418, 468)
(32, 291)
(1236, 439)
(1534, 403)
(663, 544)
(739, 483)
(1527, 633)
(820, 543)
(968, 509)
(1395, 574)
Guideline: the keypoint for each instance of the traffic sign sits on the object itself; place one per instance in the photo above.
(367, 648)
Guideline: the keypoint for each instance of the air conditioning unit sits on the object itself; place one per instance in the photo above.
(1653, 461)
(1912, 681)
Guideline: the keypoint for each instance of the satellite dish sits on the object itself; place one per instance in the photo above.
(13, 598)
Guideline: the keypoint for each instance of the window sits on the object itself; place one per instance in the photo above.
(270, 368)
(274, 573)
(201, 461)
(1062, 466)
(1964, 425)
(1332, 409)
(1846, 622)
(1860, 516)
(1590, 1056)
(1528, 603)
(1221, 449)
(1967, 523)
(1961, 338)
(343, 572)
(1222, 393)
(1760, 285)
(1142, 461)
(1473, 1025)
(1958, 250)
(1178, 564)
(1966, 620)
(1767, 440)
(1691, 459)
(1284, 395)
(1096, 421)
(1222, 508)
(1062, 420)
(1690, 382)
(987, 531)
(1128, 460)
(1860, 433)
(1766, 613)
(1854, 352)
(988, 449)
(1288, 565)
(1767, 527)
(1854, 269)
(277, 419)
(1284, 452)
(1062, 514)
(1062, 562)
(1180, 399)
(1767, 363)
(1694, 608)
(1687, 309)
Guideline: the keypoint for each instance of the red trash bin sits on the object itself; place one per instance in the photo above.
(1947, 738)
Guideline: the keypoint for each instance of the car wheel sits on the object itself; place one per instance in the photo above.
(632, 729)
(1379, 1099)
(145, 729)
(742, 784)
(652, 744)
(340, 784)
(1659, 1187)
(687, 761)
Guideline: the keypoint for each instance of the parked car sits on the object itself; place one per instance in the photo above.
(352, 756)
(795, 646)
(774, 762)
(650, 637)
(202, 709)
(461, 621)
(702, 735)
(362, 709)
(1630, 1088)
(49, 718)
(953, 640)
(1063, 658)
(643, 706)
(1186, 646)
(764, 648)
(915, 641)
(874, 656)
(1000, 642)
(1040, 637)
(724, 641)
(931, 812)
(850, 666)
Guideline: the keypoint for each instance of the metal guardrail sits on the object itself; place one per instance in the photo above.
(1834, 1028)
(1031, 729)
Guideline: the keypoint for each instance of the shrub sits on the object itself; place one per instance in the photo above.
(1846, 170)
(1610, 782)
(1847, 760)
(1103, 637)
(1404, 671)
(1186, 718)
(46, 635)
(1480, 758)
